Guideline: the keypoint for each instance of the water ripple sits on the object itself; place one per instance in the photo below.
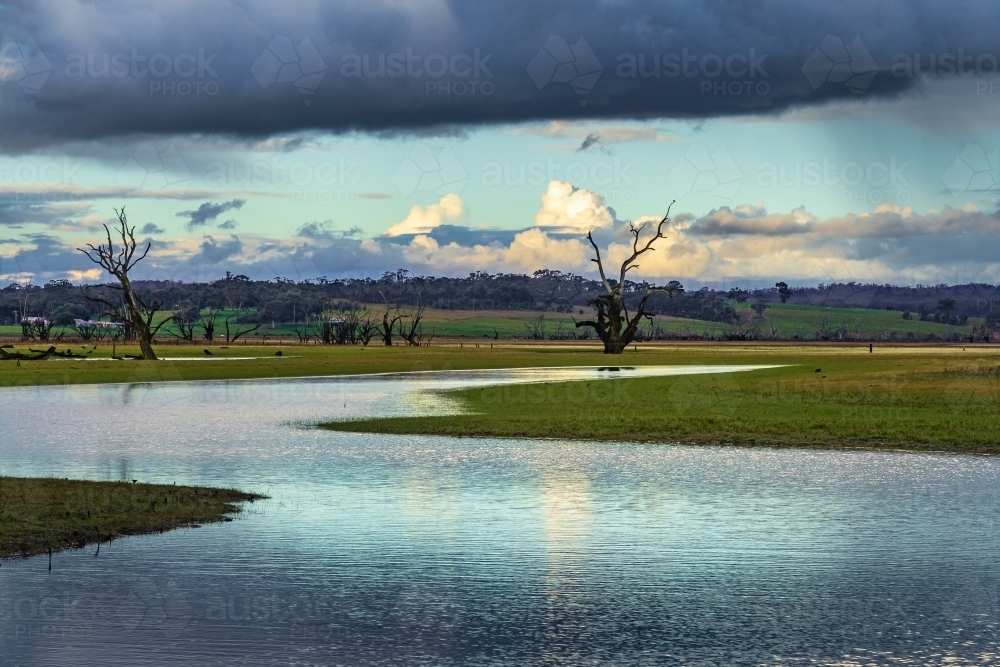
(390, 550)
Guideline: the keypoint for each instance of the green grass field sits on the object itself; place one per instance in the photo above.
(439, 323)
(802, 322)
(41, 514)
(793, 319)
(916, 397)
(790, 320)
(186, 362)
(942, 399)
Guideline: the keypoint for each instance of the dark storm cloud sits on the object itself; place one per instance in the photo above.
(98, 70)
(17, 213)
(889, 224)
(213, 252)
(48, 257)
(209, 211)
(465, 236)
(592, 139)
(326, 230)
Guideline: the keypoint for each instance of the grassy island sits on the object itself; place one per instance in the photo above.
(923, 399)
(38, 515)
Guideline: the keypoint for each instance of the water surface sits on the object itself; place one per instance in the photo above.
(399, 550)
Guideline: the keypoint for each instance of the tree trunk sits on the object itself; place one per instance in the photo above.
(612, 334)
(613, 345)
(139, 325)
(146, 348)
(386, 331)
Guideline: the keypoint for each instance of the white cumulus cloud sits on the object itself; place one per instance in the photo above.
(569, 209)
(424, 219)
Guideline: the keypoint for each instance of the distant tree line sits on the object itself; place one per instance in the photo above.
(970, 300)
(248, 302)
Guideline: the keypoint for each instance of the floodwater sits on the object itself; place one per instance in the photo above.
(406, 550)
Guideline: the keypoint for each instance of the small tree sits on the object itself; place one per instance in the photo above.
(783, 292)
(946, 307)
(738, 295)
(759, 305)
(133, 311)
(614, 326)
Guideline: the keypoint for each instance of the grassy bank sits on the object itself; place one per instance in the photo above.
(260, 362)
(945, 399)
(917, 397)
(41, 514)
(189, 362)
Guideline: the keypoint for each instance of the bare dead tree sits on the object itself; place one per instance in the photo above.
(22, 313)
(328, 328)
(410, 327)
(38, 328)
(614, 325)
(535, 328)
(186, 331)
(185, 321)
(85, 330)
(232, 335)
(118, 261)
(304, 331)
(207, 321)
(389, 320)
(367, 328)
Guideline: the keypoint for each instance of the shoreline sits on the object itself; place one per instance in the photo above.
(377, 427)
(308, 361)
(824, 447)
(45, 515)
(919, 403)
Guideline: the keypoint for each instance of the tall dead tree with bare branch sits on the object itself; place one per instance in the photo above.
(614, 325)
(133, 311)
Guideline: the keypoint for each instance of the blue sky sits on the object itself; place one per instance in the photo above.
(830, 159)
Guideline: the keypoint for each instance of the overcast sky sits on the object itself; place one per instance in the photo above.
(803, 142)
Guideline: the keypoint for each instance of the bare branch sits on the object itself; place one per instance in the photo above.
(600, 265)
(636, 250)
